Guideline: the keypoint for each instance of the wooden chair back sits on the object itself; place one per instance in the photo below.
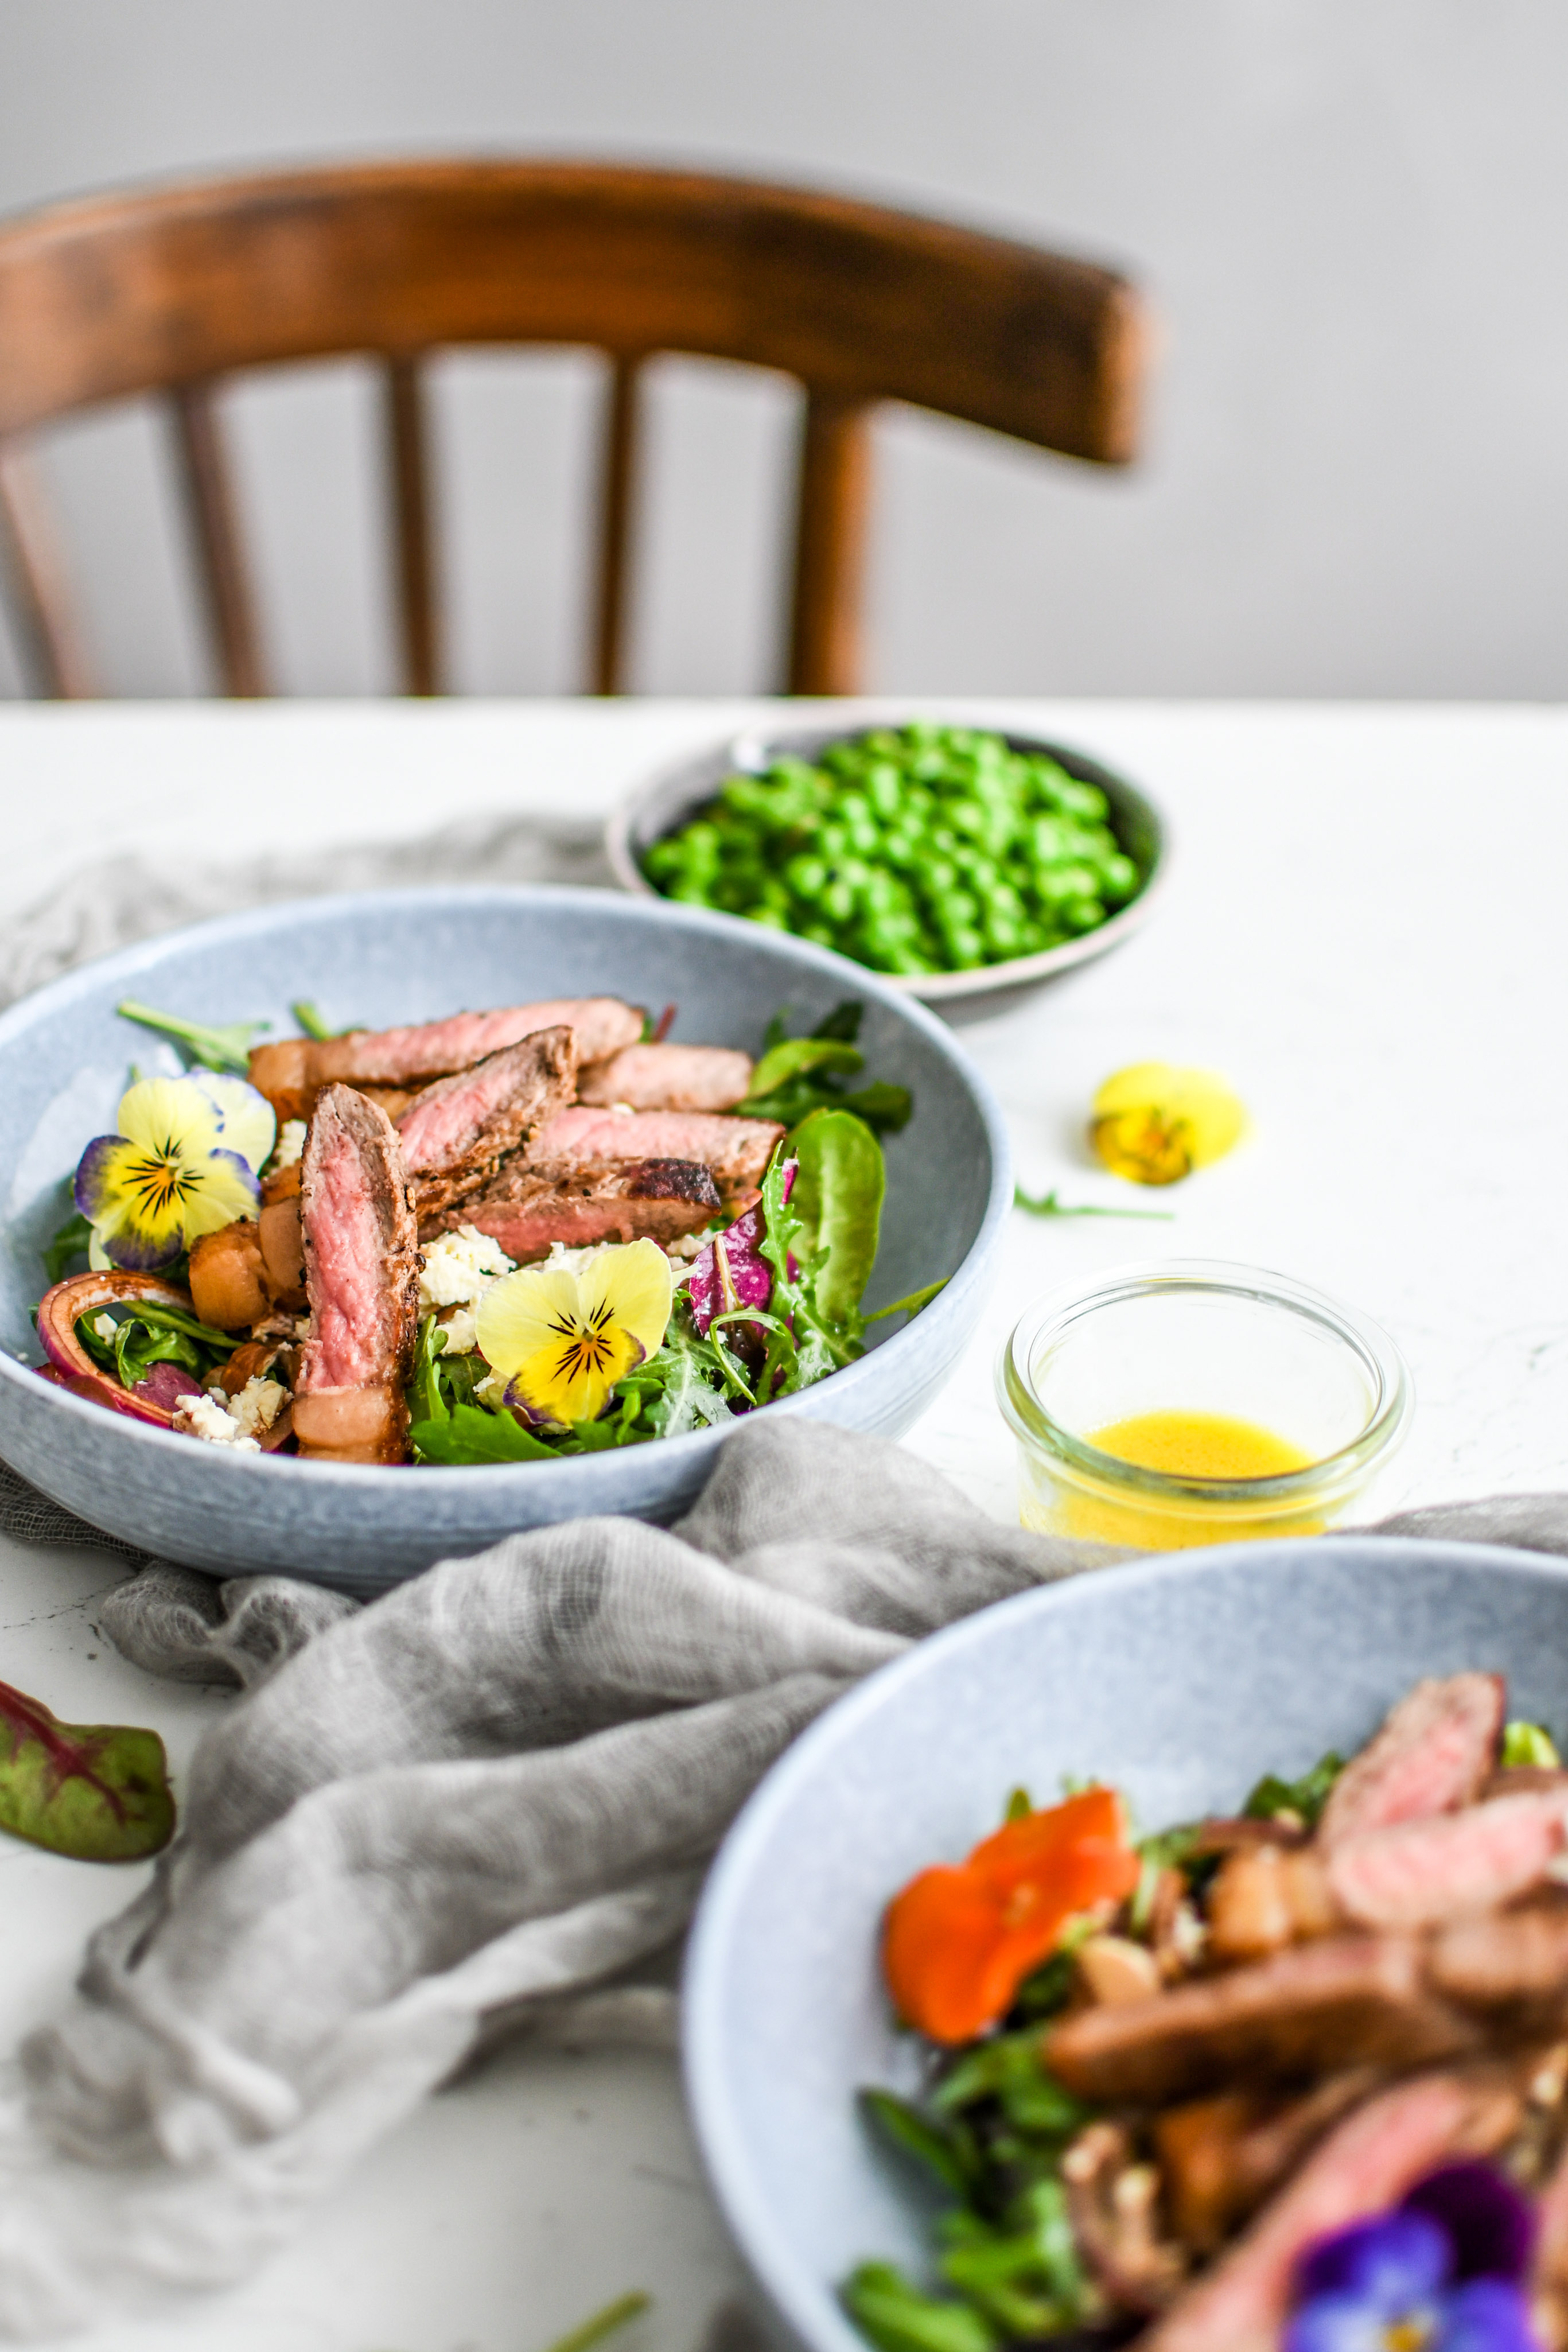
(170, 291)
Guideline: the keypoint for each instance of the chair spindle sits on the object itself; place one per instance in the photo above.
(832, 526)
(214, 513)
(30, 555)
(617, 501)
(409, 444)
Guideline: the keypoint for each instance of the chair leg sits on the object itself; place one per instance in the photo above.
(32, 561)
(617, 502)
(417, 601)
(220, 550)
(832, 516)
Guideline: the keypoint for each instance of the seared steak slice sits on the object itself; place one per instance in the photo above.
(669, 1078)
(1419, 1873)
(1363, 2166)
(1511, 1968)
(455, 1133)
(659, 1200)
(292, 1073)
(1220, 2157)
(737, 1150)
(1350, 2001)
(1432, 1756)
(361, 1272)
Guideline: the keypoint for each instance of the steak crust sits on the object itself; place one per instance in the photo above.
(737, 1150)
(455, 1133)
(292, 1073)
(361, 1276)
(656, 1200)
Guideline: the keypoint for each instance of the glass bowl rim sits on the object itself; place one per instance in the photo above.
(1392, 1399)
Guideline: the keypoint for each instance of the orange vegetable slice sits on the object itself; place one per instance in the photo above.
(959, 1940)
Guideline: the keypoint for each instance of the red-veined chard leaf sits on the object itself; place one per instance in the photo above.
(96, 1791)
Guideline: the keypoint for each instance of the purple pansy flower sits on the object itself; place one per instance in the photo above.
(1442, 2273)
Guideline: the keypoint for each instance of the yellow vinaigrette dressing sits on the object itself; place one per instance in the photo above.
(1184, 1445)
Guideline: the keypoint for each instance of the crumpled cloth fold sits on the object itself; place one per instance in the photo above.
(486, 1800)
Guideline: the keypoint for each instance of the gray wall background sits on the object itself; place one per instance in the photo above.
(1353, 215)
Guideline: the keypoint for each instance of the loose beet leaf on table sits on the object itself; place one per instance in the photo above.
(96, 1791)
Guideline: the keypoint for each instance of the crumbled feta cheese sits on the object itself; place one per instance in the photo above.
(257, 1405)
(491, 1389)
(207, 1417)
(459, 1332)
(685, 1248)
(459, 1268)
(573, 1256)
(106, 1327)
(289, 1147)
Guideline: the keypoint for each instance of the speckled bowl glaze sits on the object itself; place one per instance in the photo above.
(404, 956)
(1182, 1680)
(668, 800)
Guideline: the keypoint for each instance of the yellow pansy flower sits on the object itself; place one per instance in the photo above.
(560, 1340)
(183, 1163)
(1155, 1124)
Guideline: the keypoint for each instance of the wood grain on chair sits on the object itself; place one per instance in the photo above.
(171, 291)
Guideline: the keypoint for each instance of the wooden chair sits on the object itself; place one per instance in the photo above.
(167, 292)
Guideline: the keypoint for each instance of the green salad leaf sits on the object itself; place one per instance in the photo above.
(217, 1049)
(1305, 1798)
(799, 1074)
(95, 1791)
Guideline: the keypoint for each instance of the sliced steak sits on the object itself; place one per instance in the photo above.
(737, 1150)
(669, 1078)
(1511, 1968)
(1220, 2157)
(1350, 2001)
(292, 1073)
(456, 1132)
(361, 1272)
(1432, 1756)
(1363, 2166)
(659, 1200)
(1420, 1873)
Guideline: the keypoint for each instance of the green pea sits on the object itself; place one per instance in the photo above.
(1081, 914)
(807, 875)
(1118, 876)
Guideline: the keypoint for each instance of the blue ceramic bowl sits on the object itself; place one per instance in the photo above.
(410, 955)
(1182, 1680)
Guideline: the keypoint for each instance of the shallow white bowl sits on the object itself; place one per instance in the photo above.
(409, 955)
(1181, 1679)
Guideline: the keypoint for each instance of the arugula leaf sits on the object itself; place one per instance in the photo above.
(1046, 1204)
(96, 1791)
(70, 1241)
(931, 2144)
(896, 2316)
(796, 1075)
(911, 1305)
(215, 1049)
(313, 1023)
(1305, 1797)
(468, 1434)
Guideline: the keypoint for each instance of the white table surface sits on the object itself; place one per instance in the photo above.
(1365, 928)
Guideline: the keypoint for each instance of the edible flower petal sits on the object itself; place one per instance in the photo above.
(165, 1179)
(958, 1942)
(248, 1123)
(561, 1339)
(1440, 2273)
(1154, 1123)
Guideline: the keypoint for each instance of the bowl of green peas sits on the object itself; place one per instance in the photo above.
(958, 862)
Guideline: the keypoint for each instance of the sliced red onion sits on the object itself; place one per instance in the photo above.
(60, 1311)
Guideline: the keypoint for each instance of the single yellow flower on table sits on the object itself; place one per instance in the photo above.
(1154, 1123)
(560, 1338)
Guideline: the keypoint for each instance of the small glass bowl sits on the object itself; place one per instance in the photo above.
(1193, 1336)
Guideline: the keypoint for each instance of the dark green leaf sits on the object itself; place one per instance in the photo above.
(470, 1434)
(896, 2317)
(915, 2135)
(1305, 1797)
(69, 1242)
(794, 1058)
(215, 1049)
(98, 1792)
(843, 1022)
